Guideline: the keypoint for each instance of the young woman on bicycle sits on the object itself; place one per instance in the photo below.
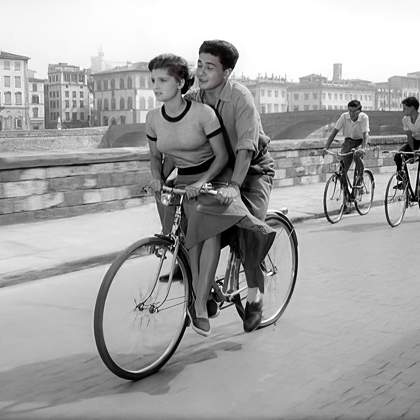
(189, 133)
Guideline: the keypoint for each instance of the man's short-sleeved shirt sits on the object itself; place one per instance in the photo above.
(353, 129)
(242, 124)
(185, 138)
(413, 127)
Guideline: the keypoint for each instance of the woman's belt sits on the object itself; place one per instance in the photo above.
(191, 170)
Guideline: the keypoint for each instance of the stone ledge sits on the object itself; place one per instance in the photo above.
(82, 157)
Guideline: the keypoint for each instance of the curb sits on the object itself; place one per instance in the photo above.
(97, 260)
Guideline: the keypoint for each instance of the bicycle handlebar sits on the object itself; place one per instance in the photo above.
(341, 154)
(401, 152)
(205, 189)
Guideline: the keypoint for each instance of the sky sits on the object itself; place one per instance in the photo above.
(292, 38)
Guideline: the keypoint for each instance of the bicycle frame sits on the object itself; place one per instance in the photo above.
(413, 194)
(230, 288)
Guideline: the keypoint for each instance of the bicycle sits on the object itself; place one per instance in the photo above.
(139, 320)
(399, 193)
(338, 193)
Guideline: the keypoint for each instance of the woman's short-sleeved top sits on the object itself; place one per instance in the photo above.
(186, 137)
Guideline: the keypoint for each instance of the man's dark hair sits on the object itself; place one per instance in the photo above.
(411, 101)
(176, 67)
(355, 104)
(227, 52)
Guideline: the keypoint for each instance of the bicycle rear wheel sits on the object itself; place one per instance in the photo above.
(364, 194)
(139, 319)
(396, 200)
(280, 271)
(334, 199)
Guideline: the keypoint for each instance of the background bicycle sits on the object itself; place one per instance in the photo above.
(337, 195)
(399, 193)
(139, 319)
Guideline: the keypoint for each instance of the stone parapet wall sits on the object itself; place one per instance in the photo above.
(55, 184)
(39, 140)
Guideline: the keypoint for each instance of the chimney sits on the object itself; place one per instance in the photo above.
(337, 72)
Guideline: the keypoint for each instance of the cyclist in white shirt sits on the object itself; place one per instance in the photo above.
(355, 127)
(411, 126)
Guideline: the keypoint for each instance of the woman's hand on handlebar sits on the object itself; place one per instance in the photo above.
(193, 190)
(156, 185)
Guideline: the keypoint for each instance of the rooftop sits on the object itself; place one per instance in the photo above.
(9, 56)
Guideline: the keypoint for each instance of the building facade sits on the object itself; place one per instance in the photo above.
(67, 97)
(36, 102)
(123, 95)
(14, 94)
(390, 94)
(315, 92)
(270, 93)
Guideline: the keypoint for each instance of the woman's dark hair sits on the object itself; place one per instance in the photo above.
(355, 104)
(227, 53)
(411, 101)
(176, 67)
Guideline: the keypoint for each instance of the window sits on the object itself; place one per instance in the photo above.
(276, 107)
(34, 87)
(6, 64)
(51, 104)
(35, 99)
(82, 104)
(81, 94)
(74, 104)
(306, 107)
(18, 123)
(329, 97)
(67, 116)
(67, 104)
(130, 83)
(99, 104)
(142, 82)
(73, 94)
(106, 104)
(67, 77)
(112, 84)
(35, 112)
(113, 104)
(17, 65)
(98, 85)
(82, 116)
(81, 77)
(276, 93)
(105, 121)
(74, 116)
(121, 83)
(296, 96)
(7, 98)
(105, 84)
(269, 94)
(314, 95)
(268, 108)
(6, 81)
(74, 77)
(122, 103)
(306, 96)
(18, 98)
(262, 92)
(67, 93)
(142, 103)
(130, 102)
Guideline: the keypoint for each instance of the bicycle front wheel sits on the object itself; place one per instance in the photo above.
(334, 199)
(396, 201)
(140, 317)
(364, 194)
(280, 268)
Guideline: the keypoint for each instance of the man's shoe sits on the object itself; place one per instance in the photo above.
(399, 186)
(176, 277)
(213, 309)
(199, 325)
(253, 316)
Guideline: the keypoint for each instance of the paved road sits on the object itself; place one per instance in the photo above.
(347, 347)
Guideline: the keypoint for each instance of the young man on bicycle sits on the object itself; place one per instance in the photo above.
(253, 166)
(411, 126)
(355, 127)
